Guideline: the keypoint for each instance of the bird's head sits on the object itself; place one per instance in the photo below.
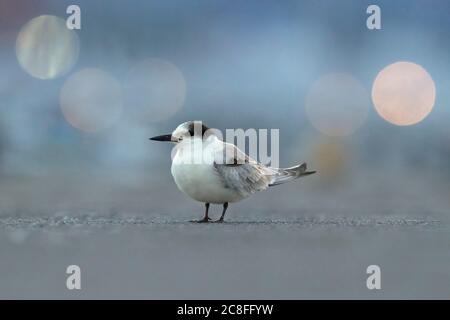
(185, 130)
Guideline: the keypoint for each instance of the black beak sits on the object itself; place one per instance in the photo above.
(164, 137)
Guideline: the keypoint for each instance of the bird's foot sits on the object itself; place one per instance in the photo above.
(204, 220)
(219, 221)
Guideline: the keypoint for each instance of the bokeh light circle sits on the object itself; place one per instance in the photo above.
(403, 93)
(330, 158)
(46, 48)
(91, 100)
(337, 104)
(155, 89)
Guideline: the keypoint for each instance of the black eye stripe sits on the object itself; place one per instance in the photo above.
(191, 129)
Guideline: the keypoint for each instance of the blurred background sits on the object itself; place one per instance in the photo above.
(366, 108)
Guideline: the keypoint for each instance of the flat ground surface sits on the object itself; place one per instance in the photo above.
(275, 245)
(306, 258)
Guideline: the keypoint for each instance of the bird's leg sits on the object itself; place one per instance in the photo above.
(225, 207)
(205, 218)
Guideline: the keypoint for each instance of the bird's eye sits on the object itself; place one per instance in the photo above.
(180, 138)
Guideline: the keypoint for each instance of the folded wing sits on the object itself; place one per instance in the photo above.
(239, 172)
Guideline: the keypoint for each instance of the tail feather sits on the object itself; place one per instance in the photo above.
(284, 175)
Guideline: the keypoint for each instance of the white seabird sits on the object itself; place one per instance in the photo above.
(212, 171)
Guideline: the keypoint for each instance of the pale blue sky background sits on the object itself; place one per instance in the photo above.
(246, 65)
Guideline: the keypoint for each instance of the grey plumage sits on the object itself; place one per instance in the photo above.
(244, 175)
(244, 178)
(288, 174)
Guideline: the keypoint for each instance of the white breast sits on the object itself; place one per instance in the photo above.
(200, 181)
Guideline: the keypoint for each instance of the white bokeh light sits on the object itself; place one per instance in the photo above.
(403, 93)
(91, 100)
(46, 48)
(337, 104)
(155, 89)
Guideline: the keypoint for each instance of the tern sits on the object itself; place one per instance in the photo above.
(210, 170)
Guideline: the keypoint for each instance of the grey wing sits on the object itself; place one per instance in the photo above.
(240, 172)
